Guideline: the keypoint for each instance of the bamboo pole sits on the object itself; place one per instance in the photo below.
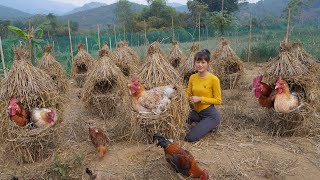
(99, 45)
(288, 26)
(172, 26)
(87, 43)
(124, 32)
(222, 7)
(110, 43)
(199, 30)
(145, 33)
(2, 59)
(115, 35)
(249, 43)
(71, 51)
(207, 33)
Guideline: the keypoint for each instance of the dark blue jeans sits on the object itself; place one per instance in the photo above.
(207, 120)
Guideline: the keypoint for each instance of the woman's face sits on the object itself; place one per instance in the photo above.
(201, 65)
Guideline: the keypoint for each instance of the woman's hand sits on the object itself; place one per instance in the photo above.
(194, 99)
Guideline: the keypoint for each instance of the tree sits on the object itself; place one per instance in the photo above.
(296, 7)
(124, 14)
(216, 5)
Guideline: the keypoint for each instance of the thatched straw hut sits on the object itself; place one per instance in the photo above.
(176, 57)
(54, 69)
(126, 59)
(105, 51)
(105, 92)
(187, 69)
(226, 65)
(36, 89)
(81, 65)
(156, 71)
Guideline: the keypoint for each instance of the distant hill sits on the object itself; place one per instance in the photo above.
(179, 7)
(87, 6)
(104, 15)
(12, 14)
(38, 6)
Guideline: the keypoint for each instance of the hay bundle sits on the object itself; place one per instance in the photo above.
(54, 69)
(176, 56)
(156, 71)
(81, 65)
(105, 91)
(133, 53)
(299, 53)
(126, 59)
(105, 51)
(226, 65)
(36, 89)
(187, 69)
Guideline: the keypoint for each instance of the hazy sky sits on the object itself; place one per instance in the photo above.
(81, 2)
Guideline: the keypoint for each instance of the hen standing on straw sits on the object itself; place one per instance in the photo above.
(204, 92)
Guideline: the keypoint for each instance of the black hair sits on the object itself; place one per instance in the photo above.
(203, 54)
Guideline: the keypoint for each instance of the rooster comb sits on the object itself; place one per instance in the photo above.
(257, 80)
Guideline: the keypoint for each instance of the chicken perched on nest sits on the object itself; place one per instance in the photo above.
(43, 117)
(264, 92)
(154, 100)
(99, 139)
(180, 159)
(17, 113)
(285, 101)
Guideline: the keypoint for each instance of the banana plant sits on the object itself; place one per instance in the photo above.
(33, 37)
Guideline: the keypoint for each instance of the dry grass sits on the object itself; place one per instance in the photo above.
(81, 66)
(176, 57)
(36, 89)
(226, 65)
(187, 69)
(54, 69)
(126, 59)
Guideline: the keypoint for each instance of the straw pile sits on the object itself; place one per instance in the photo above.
(156, 71)
(105, 51)
(105, 91)
(176, 57)
(226, 65)
(36, 89)
(81, 65)
(54, 69)
(187, 69)
(126, 59)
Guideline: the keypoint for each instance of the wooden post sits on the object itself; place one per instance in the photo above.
(71, 51)
(124, 32)
(2, 58)
(222, 7)
(207, 32)
(87, 43)
(110, 45)
(288, 26)
(145, 33)
(99, 45)
(115, 35)
(249, 43)
(172, 26)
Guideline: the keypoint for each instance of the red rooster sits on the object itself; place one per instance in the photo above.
(263, 92)
(285, 102)
(154, 100)
(43, 117)
(180, 159)
(99, 139)
(16, 112)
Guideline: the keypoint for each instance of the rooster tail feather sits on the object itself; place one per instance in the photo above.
(162, 141)
(102, 151)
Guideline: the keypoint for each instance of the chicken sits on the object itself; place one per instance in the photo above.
(181, 160)
(263, 92)
(99, 139)
(17, 113)
(154, 100)
(284, 102)
(43, 117)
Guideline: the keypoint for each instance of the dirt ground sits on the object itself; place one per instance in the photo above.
(241, 149)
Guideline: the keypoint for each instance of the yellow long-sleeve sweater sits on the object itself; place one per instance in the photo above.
(208, 88)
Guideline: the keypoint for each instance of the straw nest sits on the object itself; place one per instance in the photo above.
(126, 59)
(227, 65)
(176, 57)
(81, 65)
(187, 69)
(105, 91)
(54, 69)
(156, 71)
(300, 80)
(36, 89)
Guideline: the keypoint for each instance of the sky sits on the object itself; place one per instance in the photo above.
(81, 2)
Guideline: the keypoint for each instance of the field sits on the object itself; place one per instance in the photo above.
(245, 147)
